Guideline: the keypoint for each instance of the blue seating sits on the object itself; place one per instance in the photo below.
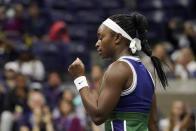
(63, 4)
(111, 4)
(19, 45)
(92, 35)
(77, 31)
(80, 49)
(85, 4)
(92, 17)
(55, 56)
(148, 5)
(65, 55)
(118, 11)
(170, 3)
(64, 15)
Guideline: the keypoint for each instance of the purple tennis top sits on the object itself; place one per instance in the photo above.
(137, 98)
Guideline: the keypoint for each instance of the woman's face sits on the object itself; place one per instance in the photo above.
(35, 100)
(186, 56)
(54, 79)
(177, 108)
(105, 44)
(21, 81)
(159, 52)
(68, 95)
(10, 74)
(65, 107)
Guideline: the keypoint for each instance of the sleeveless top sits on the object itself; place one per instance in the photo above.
(132, 110)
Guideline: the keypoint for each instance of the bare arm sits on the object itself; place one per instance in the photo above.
(185, 122)
(100, 106)
(152, 123)
(36, 128)
(24, 128)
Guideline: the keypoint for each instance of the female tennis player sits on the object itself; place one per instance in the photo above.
(126, 100)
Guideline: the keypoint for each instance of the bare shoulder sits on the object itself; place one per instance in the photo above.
(119, 68)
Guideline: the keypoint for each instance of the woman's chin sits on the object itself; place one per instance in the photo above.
(102, 56)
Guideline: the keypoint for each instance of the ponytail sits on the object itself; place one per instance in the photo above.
(161, 74)
(136, 24)
(141, 25)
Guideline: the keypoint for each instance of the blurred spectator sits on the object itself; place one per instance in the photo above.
(67, 96)
(2, 93)
(67, 121)
(159, 51)
(77, 102)
(35, 86)
(39, 118)
(13, 25)
(97, 79)
(7, 51)
(81, 113)
(15, 103)
(29, 65)
(58, 32)
(53, 89)
(96, 76)
(181, 34)
(2, 18)
(174, 30)
(179, 119)
(36, 24)
(19, 11)
(191, 35)
(186, 64)
(7, 83)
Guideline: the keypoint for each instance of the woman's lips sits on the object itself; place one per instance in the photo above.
(99, 51)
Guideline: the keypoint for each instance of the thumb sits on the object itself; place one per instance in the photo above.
(78, 60)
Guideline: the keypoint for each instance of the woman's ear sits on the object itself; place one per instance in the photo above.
(118, 38)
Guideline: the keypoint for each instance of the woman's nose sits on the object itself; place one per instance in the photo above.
(97, 44)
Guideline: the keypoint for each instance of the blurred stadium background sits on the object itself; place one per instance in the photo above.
(40, 38)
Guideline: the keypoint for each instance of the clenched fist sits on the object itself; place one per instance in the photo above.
(76, 69)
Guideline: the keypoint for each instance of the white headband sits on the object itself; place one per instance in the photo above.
(135, 44)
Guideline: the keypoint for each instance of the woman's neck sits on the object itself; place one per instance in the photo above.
(120, 53)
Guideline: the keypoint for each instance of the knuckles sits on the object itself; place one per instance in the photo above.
(76, 66)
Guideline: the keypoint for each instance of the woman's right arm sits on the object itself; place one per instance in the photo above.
(99, 106)
(153, 120)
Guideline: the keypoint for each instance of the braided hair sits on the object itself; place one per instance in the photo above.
(136, 24)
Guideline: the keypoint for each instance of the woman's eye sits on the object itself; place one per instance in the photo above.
(99, 38)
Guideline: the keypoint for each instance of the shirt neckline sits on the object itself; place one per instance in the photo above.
(135, 58)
